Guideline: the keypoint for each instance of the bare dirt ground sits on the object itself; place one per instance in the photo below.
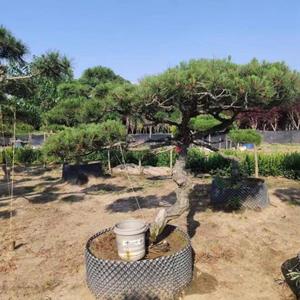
(238, 255)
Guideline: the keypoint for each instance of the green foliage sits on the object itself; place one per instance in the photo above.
(245, 136)
(233, 204)
(214, 87)
(73, 89)
(52, 65)
(148, 158)
(66, 112)
(74, 143)
(295, 276)
(198, 161)
(271, 164)
(23, 128)
(29, 87)
(11, 48)
(96, 75)
(203, 122)
(24, 155)
(28, 155)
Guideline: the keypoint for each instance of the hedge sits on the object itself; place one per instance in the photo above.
(148, 158)
(23, 155)
(270, 164)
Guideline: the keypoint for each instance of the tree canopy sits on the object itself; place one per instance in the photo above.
(99, 75)
(245, 136)
(74, 143)
(219, 88)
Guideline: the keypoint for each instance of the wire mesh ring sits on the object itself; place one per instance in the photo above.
(159, 278)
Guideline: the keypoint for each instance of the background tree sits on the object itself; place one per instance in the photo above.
(29, 88)
(99, 75)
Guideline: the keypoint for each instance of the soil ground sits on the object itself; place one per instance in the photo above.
(237, 255)
(104, 246)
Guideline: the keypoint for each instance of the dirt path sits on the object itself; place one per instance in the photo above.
(238, 255)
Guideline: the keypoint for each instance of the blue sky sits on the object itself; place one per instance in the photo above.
(141, 37)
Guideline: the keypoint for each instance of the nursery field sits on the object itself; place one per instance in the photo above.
(237, 255)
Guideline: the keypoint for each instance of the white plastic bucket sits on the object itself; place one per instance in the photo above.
(131, 239)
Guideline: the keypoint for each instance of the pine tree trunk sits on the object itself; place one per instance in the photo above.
(184, 187)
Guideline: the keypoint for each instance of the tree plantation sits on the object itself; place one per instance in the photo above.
(181, 185)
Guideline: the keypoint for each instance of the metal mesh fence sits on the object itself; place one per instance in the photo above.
(252, 193)
(159, 278)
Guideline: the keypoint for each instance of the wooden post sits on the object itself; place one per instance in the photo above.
(256, 161)
(44, 143)
(30, 139)
(108, 162)
(171, 159)
(140, 165)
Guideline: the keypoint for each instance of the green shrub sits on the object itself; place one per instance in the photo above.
(245, 136)
(271, 164)
(233, 204)
(28, 155)
(213, 163)
(24, 155)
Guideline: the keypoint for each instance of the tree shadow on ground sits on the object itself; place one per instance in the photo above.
(129, 204)
(96, 188)
(36, 171)
(158, 178)
(51, 178)
(291, 195)
(199, 201)
(5, 214)
(5, 191)
(202, 283)
(43, 198)
(72, 198)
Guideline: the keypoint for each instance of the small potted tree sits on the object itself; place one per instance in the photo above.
(238, 190)
(291, 272)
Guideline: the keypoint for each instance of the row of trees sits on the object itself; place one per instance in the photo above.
(285, 117)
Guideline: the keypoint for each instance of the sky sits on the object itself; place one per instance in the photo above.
(142, 37)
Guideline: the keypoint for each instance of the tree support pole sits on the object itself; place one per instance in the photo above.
(256, 161)
(108, 162)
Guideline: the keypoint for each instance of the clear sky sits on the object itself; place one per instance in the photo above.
(141, 37)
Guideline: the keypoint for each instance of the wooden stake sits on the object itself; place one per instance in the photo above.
(108, 161)
(12, 241)
(140, 166)
(171, 159)
(256, 161)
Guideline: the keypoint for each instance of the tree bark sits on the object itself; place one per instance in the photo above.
(184, 187)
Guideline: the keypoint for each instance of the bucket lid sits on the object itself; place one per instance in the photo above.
(130, 227)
